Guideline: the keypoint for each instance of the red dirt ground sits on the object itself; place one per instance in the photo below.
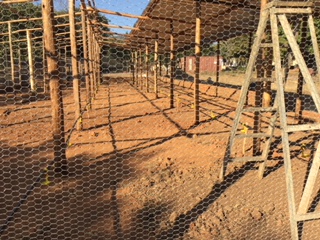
(140, 170)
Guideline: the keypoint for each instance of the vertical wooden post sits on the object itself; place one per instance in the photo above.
(197, 63)
(140, 68)
(258, 94)
(55, 91)
(44, 64)
(30, 61)
(172, 66)
(133, 67)
(85, 52)
(218, 68)
(11, 53)
(155, 74)
(99, 64)
(147, 67)
(91, 76)
(75, 67)
(136, 68)
(20, 65)
(303, 45)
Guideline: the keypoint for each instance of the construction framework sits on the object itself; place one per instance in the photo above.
(156, 33)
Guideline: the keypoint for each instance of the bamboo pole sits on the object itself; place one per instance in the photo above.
(55, 91)
(75, 65)
(197, 63)
(31, 63)
(11, 54)
(172, 66)
(156, 65)
(85, 52)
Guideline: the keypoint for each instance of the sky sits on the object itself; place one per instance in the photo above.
(135, 7)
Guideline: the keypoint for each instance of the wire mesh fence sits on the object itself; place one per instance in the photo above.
(159, 119)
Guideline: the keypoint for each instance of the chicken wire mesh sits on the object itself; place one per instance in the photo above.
(159, 119)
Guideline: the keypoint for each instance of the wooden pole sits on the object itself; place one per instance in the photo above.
(20, 65)
(90, 60)
(136, 68)
(133, 67)
(44, 64)
(30, 60)
(147, 67)
(258, 94)
(156, 65)
(218, 68)
(172, 66)
(303, 46)
(197, 63)
(55, 91)
(11, 53)
(75, 67)
(140, 66)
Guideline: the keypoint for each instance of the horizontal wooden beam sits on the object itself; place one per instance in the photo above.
(117, 13)
(36, 19)
(114, 26)
(17, 1)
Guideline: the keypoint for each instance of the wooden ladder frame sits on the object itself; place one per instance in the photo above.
(276, 14)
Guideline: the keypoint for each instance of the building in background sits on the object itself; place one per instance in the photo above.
(208, 64)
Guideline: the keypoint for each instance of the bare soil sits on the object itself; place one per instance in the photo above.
(140, 170)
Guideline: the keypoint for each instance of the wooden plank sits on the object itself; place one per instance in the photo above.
(248, 159)
(293, 11)
(314, 43)
(303, 127)
(259, 109)
(308, 216)
(263, 79)
(290, 4)
(283, 122)
(300, 60)
(311, 181)
(253, 135)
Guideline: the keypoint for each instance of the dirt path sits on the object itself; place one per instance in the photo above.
(140, 170)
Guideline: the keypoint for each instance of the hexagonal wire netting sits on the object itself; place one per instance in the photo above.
(159, 119)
